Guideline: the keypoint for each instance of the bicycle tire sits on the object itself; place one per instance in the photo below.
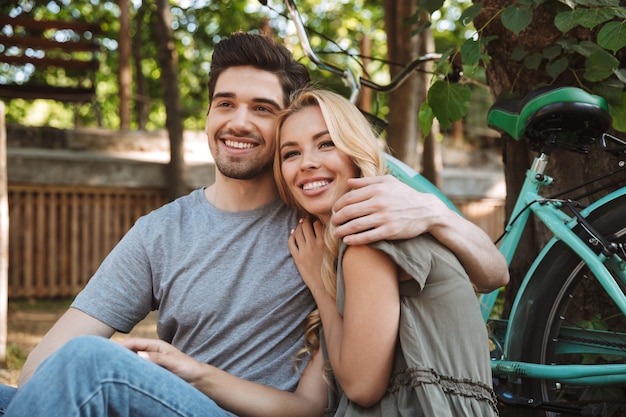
(565, 284)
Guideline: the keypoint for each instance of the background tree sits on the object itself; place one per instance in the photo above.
(168, 62)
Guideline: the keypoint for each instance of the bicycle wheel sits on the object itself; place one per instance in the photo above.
(571, 298)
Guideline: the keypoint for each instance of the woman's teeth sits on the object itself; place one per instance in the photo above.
(313, 185)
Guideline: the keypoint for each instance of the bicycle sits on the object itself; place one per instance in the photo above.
(547, 345)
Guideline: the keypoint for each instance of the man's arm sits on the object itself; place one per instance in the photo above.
(73, 323)
(383, 207)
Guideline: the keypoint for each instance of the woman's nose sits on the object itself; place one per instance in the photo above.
(309, 161)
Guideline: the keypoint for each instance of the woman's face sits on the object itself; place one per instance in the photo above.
(315, 171)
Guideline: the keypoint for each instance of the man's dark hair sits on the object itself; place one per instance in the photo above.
(262, 52)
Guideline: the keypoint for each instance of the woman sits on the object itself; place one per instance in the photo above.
(401, 323)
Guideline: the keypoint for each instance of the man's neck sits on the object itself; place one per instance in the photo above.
(241, 195)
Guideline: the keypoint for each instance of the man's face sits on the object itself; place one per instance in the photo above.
(240, 123)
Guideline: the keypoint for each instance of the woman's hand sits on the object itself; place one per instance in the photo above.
(306, 245)
(239, 396)
(167, 356)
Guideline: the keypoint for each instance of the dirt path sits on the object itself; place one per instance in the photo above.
(27, 323)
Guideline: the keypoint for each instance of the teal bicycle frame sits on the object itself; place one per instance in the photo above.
(561, 226)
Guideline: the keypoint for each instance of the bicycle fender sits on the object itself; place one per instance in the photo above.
(415, 180)
(527, 294)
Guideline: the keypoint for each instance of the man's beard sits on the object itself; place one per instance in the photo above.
(243, 171)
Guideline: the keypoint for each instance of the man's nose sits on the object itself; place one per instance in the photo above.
(241, 118)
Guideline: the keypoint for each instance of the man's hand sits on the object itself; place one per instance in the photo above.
(384, 208)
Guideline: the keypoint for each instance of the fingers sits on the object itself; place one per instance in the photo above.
(362, 190)
(367, 196)
(146, 345)
(156, 351)
(306, 241)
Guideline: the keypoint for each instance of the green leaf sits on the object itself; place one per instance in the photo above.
(618, 113)
(518, 53)
(612, 36)
(551, 52)
(596, 323)
(517, 19)
(443, 65)
(426, 118)
(568, 44)
(470, 52)
(532, 61)
(611, 89)
(430, 5)
(586, 48)
(556, 68)
(599, 65)
(470, 13)
(592, 17)
(569, 3)
(620, 12)
(565, 21)
(620, 73)
(449, 102)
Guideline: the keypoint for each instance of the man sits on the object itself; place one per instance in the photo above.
(216, 263)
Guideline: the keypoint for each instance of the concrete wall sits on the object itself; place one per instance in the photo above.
(97, 157)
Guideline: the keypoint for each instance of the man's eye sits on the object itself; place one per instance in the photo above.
(265, 109)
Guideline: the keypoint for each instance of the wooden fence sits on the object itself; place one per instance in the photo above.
(487, 213)
(58, 236)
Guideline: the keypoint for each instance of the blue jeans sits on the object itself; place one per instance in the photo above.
(92, 376)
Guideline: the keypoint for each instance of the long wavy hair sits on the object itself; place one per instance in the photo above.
(353, 135)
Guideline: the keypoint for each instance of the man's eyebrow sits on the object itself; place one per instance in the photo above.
(261, 100)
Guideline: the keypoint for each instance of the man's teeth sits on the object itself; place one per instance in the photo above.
(238, 145)
(314, 185)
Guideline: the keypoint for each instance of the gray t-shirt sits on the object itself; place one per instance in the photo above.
(226, 287)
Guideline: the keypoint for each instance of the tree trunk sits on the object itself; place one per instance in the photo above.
(125, 76)
(142, 103)
(403, 128)
(4, 235)
(510, 76)
(168, 61)
(432, 161)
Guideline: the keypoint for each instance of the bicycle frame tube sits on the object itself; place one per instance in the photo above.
(568, 237)
(410, 177)
(593, 373)
(572, 374)
(596, 263)
(516, 226)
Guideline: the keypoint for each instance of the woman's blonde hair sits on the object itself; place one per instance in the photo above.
(353, 135)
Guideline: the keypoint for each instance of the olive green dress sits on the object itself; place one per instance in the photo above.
(442, 362)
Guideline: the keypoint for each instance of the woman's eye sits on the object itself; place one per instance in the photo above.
(289, 154)
(327, 143)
